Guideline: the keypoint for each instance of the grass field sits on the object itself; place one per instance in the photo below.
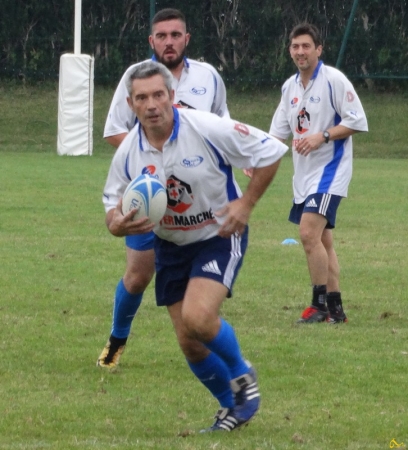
(341, 387)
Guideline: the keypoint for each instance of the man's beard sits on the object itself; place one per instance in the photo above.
(173, 63)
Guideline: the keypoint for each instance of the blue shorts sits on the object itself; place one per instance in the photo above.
(324, 204)
(140, 242)
(217, 258)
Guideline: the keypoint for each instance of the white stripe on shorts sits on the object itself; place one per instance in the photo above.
(236, 255)
(324, 204)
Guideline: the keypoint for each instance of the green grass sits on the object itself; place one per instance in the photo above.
(29, 119)
(341, 387)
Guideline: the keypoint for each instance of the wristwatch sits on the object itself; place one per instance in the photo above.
(326, 136)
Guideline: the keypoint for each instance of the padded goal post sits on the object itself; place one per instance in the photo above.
(75, 105)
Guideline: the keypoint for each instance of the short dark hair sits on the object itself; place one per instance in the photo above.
(168, 14)
(306, 28)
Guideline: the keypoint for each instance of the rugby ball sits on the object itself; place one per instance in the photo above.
(148, 196)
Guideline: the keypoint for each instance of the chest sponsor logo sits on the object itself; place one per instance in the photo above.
(149, 170)
(294, 101)
(191, 162)
(198, 90)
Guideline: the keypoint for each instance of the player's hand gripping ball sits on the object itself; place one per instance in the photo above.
(148, 196)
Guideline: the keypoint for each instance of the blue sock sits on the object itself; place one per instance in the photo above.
(226, 346)
(214, 375)
(124, 310)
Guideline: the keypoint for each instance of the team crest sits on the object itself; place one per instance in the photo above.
(179, 195)
(303, 121)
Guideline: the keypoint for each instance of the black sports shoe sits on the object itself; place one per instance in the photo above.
(247, 400)
(225, 420)
(313, 315)
(337, 315)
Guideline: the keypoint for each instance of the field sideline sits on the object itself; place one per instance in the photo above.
(341, 387)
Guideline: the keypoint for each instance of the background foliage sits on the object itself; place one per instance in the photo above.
(247, 41)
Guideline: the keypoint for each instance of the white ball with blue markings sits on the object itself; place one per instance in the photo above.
(148, 196)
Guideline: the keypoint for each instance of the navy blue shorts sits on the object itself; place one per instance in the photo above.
(324, 204)
(217, 258)
(140, 242)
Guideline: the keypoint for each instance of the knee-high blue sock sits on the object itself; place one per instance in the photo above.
(226, 346)
(124, 310)
(215, 376)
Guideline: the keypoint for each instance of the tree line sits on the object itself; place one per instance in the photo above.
(246, 40)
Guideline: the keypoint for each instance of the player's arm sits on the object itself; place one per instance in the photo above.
(348, 107)
(115, 185)
(314, 141)
(116, 140)
(219, 105)
(238, 212)
(123, 225)
(120, 119)
(337, 132)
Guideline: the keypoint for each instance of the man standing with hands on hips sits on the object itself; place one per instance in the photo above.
(320, 108)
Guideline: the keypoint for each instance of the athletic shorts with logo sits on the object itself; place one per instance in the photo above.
(216, 258)
(324, 204)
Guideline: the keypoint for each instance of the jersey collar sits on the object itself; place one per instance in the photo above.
(315, 72)
(176, 124)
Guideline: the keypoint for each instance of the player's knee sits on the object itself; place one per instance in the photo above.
(136, 282)
(193, 350)
(309, 238)
(200, 324)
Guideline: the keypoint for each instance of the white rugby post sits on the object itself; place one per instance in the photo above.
(75, 97)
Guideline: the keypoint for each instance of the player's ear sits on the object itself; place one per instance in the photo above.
(151, 41)
(172, 96)
(129, 102)
(188, 35)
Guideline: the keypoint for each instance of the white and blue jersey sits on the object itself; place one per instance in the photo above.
(328, 100)
(196, 167)
(200, 87)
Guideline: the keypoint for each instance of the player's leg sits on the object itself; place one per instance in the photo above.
(206, 366)
(334, 300)
(198, 326)
(333, 263)
(212, 276)
(311, 228)
(200, 316)
(316, 217)
(173, 267)
(310, 231)
(128, 296)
